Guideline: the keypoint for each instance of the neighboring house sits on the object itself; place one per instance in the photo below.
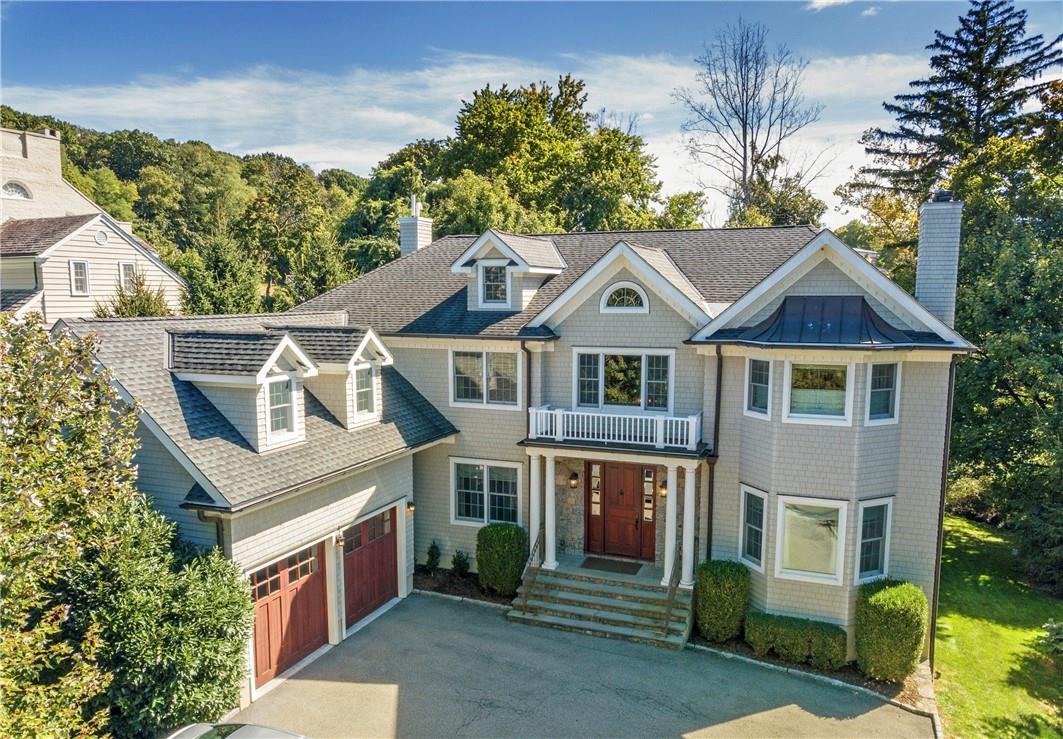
(638, 401)
(60, 254)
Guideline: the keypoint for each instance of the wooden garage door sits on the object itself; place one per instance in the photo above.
(291, 613)
(370, 577)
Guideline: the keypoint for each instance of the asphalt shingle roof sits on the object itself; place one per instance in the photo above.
(221, 352)
(12, 300)
(28, 237)
(537, 251)
(419, 295)
(326, 344)
(135, 351)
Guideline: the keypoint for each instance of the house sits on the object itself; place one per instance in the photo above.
(638, 401)
(60, 253)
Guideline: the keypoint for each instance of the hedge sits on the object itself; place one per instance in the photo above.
(721, 597)
(501, 551)
(797, 640)
(891, 619)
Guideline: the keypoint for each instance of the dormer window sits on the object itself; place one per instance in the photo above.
(494, 281)
(280, 407)
(624, 297)
(364, 391)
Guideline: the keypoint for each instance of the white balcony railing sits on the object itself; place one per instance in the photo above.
(652, 430)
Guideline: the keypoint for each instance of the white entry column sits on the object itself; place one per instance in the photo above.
(551, 514)
(689, 526)
(670, 522)
(535, 504)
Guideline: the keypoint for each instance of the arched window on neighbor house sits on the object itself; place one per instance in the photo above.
(16, 191)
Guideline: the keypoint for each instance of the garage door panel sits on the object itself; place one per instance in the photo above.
(370, 577)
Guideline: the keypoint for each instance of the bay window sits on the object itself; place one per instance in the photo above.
(883, 383)
(810, 539)
(623, 379)
(758, 387)
(873, 553)
(751, 526)
(485, 378)
(818, 393)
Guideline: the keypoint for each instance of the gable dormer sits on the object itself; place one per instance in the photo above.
(504, 270)
(255, 379)
(349, 379)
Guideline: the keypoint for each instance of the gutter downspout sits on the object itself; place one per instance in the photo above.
(527, 387)
(715, 451)
(941, 512)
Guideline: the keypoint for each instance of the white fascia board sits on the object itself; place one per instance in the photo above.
(492, 236)
(826, 245)
(216, 379)
(287, 344)
(622, 255)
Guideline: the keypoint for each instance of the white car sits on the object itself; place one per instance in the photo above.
(232, 731)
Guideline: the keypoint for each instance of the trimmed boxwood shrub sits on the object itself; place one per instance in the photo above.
(891, 617)
(501, 551)
(797, 640)
(721, 597)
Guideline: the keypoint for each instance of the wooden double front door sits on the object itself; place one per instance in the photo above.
(620, 509)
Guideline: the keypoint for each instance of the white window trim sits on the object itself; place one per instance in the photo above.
(644, 308)
(121, 273)
(771, 383)
(88, 279)
(870, 503)
(274, 438)
(362, 417)
(744, 490)
(483, 378)
(895, 418)
(839, 555)
(480, 283)
(846, 420)
(20, 184)
(622, 409)
(485, 463)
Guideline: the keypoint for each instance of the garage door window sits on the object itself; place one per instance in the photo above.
(266, 581)
(302, 564)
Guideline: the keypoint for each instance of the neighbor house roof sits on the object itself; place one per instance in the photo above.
(834, 320)
(134, 350)
(12, 300)
(420, 295)
(28, 237)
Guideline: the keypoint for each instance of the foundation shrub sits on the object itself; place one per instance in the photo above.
(721, 597)
(891, 618)
(797, 640)
(501, 550)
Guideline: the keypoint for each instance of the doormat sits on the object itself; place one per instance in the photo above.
(611, 565)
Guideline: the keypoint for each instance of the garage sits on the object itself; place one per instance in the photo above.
(370, 565)
(291, 611)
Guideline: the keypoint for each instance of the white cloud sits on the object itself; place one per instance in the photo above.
(873, 10)
(817, 5)
(356, 118)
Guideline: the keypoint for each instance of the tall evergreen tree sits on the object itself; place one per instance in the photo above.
(982, 75)
(223, 278)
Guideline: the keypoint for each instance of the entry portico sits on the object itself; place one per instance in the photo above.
(599, 492)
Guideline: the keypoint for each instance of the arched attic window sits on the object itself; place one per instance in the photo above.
(16, 191)
(624, 297)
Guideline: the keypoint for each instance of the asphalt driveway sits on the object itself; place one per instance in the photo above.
(435, 668)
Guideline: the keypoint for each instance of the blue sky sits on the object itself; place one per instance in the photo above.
(343, 84)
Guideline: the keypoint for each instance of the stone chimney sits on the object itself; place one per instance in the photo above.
(939, 255)
(415, 232)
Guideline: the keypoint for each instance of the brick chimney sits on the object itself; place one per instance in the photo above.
(415, 231)
(938, 258)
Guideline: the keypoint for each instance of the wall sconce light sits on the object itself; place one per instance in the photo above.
(410, 506)
(573, 480)
(662, 489)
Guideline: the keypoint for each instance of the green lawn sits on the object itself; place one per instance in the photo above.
(993, 681)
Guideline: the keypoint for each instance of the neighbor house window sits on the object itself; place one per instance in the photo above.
(637, 380)
(810, 536)
(494, 284)
(874, 539)
(819, 393)
(758, 387)
(752, 526)
(363, 391)
(79, 277)
(624, 297)
(15, 191)
(490, 378)
(280, 406)
(485, 492)
(126, 274)
(882, 385)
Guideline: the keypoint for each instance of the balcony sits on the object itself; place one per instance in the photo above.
(647, 429)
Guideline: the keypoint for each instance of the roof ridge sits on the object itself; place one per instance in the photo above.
(148, 319)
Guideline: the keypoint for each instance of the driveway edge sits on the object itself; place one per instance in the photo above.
(462, 599)
(931, 714)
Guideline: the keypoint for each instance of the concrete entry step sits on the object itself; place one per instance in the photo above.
(642, 636)
(653, 623)
(606, 603)
(615, 590)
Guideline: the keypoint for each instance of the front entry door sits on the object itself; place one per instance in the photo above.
(620, 510)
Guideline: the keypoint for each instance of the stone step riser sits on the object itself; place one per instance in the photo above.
(603, 580)
(650, 627)
(682, 600)
(607, 603)
(588, 628)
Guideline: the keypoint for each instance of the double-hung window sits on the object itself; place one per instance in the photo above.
(485, 492)
(281, 414)
(883, 384)
(752, 519)
(126, 274)
(810, 539)
(818, 393)
(494, 283)
(623, 379)
(79, 277)
(485, 378)
(874, 552)
(364, 401)
(758, 387)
